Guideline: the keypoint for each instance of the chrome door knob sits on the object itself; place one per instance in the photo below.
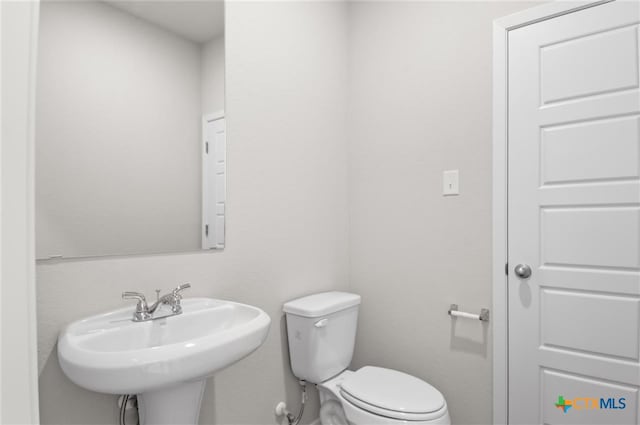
(523, 271)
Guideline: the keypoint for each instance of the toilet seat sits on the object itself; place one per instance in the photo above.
(394, 414)
(330, 390)
(393, 394)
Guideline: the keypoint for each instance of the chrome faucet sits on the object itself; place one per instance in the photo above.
(145, 312)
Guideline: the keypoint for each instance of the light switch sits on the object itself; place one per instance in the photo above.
(450, 183)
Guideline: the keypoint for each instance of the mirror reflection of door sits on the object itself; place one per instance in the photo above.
(214, 176)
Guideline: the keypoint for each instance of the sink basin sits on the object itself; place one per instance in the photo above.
(110, 353)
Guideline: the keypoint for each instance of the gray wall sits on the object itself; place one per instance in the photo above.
(287, 227)
(137, 130)
(420, 103)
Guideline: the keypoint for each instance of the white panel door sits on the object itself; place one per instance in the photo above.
(214, 182)
(574, 218)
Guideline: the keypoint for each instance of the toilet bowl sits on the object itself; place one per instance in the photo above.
(321, 330)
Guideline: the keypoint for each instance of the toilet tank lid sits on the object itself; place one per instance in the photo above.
(321, 304)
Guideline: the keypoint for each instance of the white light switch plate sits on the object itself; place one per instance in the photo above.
(450, 183)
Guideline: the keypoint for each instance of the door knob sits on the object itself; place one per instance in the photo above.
(523, 271)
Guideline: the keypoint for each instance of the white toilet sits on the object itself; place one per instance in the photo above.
(322, 329)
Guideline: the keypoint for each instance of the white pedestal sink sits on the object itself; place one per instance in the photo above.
(164, 361)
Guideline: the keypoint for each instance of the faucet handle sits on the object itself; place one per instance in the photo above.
(142, 302)
(129, 295)
(179, 289)
(142, 310)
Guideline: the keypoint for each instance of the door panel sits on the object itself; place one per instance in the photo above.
(214, 183)
(604, 62)
(575, 334)
(555, 382)
(590, 237)
(567, 151)
(574, 216)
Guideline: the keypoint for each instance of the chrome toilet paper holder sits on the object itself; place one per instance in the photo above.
(483, 316)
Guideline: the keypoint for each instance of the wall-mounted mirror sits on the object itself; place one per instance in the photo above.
(130, 128)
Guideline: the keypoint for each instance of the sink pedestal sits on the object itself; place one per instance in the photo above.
(176, 405)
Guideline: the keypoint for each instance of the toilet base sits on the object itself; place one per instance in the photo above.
(332, 413)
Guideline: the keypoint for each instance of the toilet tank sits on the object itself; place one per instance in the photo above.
(321, 330)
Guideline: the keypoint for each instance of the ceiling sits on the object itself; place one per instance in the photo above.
(198, 21)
